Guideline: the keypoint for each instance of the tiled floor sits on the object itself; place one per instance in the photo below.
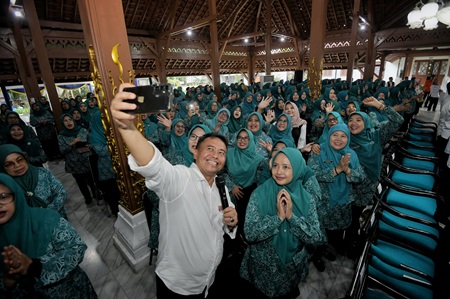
(113, 278)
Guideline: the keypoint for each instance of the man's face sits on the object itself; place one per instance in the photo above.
(210, 156)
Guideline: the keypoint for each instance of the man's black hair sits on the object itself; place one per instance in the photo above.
(212, 135)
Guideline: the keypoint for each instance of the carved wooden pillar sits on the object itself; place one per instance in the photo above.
(107, 41)
(42, 58)
(215, 56)
(318, 30)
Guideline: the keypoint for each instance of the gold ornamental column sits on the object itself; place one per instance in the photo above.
(107, 41)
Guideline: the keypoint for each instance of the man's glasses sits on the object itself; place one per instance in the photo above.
(6, 198)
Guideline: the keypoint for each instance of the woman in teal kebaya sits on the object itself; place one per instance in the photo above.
(281, 220)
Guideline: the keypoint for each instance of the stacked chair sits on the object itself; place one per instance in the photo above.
(403, 253)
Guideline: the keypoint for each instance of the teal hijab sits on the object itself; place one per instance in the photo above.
(97, 135)
(261, 124)
(188, 156)
(210, 114)
(41, 110)
(66, 132)
(243, 163)
(27, 181)
(150, 127)
(211, 123)
(85, 115)
(29, 229)
(249, 107)
(339, 189)
(367, 145)
(324, 136)
(177, 143)
(285, 242)
(276, 134)
(235, 124)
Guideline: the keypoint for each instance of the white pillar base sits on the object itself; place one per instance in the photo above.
(131, 238)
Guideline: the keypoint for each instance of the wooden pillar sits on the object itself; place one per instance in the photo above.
(383, 61)
(268, 37)
(215, 56)
(408, 65)
(351, 54)
(371, 54)
(318, 31)
(109, 52)
(251, 66)
(42, 58)
(24, 64)
(369, 65)
(161, 50)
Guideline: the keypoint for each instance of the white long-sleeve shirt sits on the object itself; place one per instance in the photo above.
(191, 224)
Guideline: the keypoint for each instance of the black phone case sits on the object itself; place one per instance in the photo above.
(150, 98)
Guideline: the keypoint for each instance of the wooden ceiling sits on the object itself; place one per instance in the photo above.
(147, 20)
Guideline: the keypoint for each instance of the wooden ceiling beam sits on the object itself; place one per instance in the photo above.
(243, 36)
(192, 26)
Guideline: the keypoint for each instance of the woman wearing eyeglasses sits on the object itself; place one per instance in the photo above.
(243, 163)
(40, 187)
(41, 251)
(32, 148)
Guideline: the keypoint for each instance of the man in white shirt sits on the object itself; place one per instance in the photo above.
(192, 222)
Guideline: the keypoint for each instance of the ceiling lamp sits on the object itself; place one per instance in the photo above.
(430, 24)
(429, 10)
(443, 15)
(415, 18)
(428, 15)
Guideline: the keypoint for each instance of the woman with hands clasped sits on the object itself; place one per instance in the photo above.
(337, 170)
(281, 219)
(41, 251)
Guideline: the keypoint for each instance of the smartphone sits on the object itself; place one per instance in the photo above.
(151, 98)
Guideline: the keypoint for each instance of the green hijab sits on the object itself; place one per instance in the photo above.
(324, 135)
(276, 134)
(235, 124)
(97, 135)
(367, 145)
(66, 132)
(186, 153)
(242, 164)
(285, 242)
(177, 143)
(29, 229)
(28, 181)
(339, 189)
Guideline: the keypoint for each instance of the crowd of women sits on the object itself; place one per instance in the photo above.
(300, 171)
